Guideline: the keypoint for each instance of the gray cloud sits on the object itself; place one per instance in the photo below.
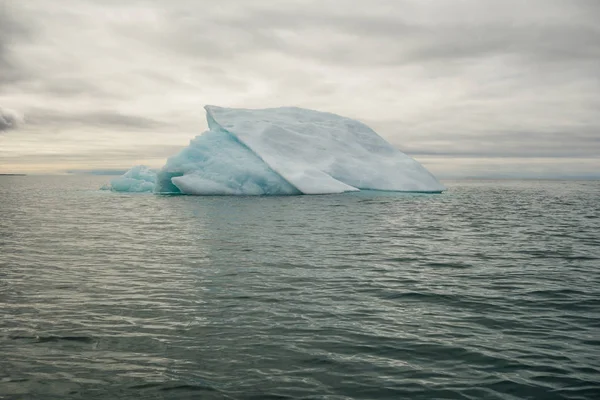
(386, 32)
(8, 119)
(12, 32)
(443, 80)
(102, 119)
(104, 159)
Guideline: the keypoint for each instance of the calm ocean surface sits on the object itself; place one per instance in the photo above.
(488, 291)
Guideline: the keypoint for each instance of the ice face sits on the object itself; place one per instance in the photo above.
(138, 179)
(216, 163)
(284, 151)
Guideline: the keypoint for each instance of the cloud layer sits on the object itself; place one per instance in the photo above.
(491, 82)
(8, 119)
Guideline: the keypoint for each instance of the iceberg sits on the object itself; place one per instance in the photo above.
(138, 179)
(283, 151)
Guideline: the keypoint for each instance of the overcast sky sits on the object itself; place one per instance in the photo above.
(467, 87)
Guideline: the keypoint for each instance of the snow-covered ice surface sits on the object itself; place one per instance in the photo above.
(319, 152)
(138, 179)
(283, 151)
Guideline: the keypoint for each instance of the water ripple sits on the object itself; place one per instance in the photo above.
(491, 290)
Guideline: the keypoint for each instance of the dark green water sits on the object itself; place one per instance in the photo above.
(489, 291)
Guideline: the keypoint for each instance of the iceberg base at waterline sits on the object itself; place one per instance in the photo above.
(282, 151)
(138, 179)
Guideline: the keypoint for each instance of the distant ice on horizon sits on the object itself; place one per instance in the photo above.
(282, 151)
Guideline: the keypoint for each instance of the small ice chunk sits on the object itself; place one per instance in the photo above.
(138, 179)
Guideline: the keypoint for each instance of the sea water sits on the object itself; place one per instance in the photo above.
(490, 290)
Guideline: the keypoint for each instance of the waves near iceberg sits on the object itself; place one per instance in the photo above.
(282, 151)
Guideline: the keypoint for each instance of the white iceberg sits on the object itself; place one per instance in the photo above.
(289, 150)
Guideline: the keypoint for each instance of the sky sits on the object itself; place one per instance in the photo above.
(470, 88)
